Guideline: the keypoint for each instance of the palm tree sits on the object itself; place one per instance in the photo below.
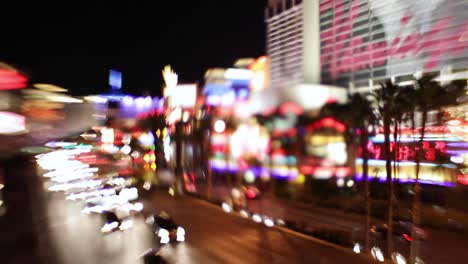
(152, 123)
(385, 99)
(357, 115)
(431, 95)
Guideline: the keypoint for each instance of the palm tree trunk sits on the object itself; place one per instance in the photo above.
(365, 169)
(388, 168)
(417, 193)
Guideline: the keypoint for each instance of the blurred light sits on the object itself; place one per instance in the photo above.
(268, 222)
(126, 224)
(377, 254)
(12, 123)
(398, 258)
(301, 179)
(163, 232)
(107, 135)
(340, 182)
(185, 116)
(138, 207)
(219, 126)
(256, 218)
(171, 191)
(180, 231)
(357, 248)
(50, 88)
(147, 185)
(244, 213)
(135, 154)
(11, 79)
(153, 166)
(108, 227)
(249, 176)
(238, 74)
(146, 139)
(126, 149)
(226, 207)
(350, 183)
(457, 159)
(115, 79)
(127, 100)
(280, 222)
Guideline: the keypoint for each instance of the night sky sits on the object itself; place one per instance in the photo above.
(74, 45)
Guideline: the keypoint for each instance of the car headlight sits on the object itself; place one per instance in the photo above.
(180, 231)
(163, 232)
(109, 227)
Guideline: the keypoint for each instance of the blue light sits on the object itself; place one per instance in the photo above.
(115, 79)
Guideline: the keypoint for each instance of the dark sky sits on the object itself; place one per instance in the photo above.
(74, 44)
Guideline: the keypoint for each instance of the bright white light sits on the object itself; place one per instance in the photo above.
(129, 193)
(146, 139)
(256, 218)
(126, 224)
(107, 135)
(219, 126)
(457, 159)
(109, 227)
(163, 232)
(138, 207)
(96, 99)
(350, 183)
(377, 254)
(180, 231)
(226, 207)
(147, 185)
(238, 74)
(12, 123)
(164, 240)
(268, 222)
(244, 213)
(357, 248)
(181, 238)
(340, 182)
(126, 149)
(398, 258)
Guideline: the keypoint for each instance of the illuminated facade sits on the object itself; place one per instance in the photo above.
(346, 43)
(293, 42)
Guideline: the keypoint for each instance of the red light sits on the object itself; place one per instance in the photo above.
(10, 80)
(462, 179)
(250, 193)
(407, 237)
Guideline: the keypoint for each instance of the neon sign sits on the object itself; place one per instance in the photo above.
(432, 151)
(345, 50)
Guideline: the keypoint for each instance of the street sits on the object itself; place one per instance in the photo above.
(43, 227)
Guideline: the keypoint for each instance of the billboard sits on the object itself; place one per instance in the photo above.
(373, 39)
(182, 95)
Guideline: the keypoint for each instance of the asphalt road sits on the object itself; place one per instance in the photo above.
(42, 227)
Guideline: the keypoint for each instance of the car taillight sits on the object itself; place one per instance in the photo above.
(407, 237)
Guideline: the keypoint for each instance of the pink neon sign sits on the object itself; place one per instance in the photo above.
(342, 52)
(405, 152)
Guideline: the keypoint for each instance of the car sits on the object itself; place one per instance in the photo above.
(400, 229)
(166, 228)
(114, 223)
(153, 257)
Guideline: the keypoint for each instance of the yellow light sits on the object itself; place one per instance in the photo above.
(158, 133)
(301, 179)
(153, 166)
(153, 157)
(146, 166)
(164, 132)
(146, 157)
